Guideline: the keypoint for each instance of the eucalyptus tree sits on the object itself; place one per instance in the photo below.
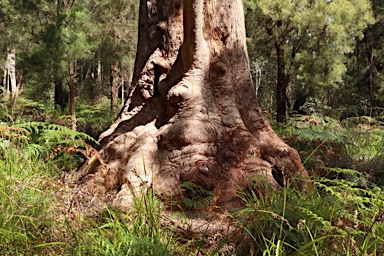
(117, 25)
(309, 40)
(191, 115)
(366, 68)
(63, 35)
(14, 40)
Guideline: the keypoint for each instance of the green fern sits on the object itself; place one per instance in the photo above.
(48, 141)
(195, 195)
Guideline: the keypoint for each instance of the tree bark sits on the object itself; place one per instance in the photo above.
(12, 71)
(114, 83)
(60, 100)
(282, 85)
(5, 79)
(72, 94)
(9, 80)
(191, 114)
(99, 84)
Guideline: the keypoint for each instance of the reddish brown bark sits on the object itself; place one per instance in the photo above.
(191, 115)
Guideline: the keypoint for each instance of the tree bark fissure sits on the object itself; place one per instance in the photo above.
(191, 115)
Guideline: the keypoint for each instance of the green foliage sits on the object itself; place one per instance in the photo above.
(48, 35)
(355, 143)
(42, 138)
(26, 216)
(93, 119)
(337, 218)
(31, 220)
(311, 38)
(195, 196)
(341, 215)
(366, 145)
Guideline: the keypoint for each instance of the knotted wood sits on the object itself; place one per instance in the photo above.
(191, 115)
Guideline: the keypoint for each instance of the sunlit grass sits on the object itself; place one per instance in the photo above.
(342, 215)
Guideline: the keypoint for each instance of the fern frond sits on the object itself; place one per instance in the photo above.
(195, 195)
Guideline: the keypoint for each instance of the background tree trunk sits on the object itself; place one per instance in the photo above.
(11, 59)
(60, 98)
(9, 80)
(99, 84)
(282, 84)
(114, 83)
(5, 79)
(72, 103)
(191, 114)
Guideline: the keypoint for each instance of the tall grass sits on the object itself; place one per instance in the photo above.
(31, 219)
(23, 201)
(136, 232)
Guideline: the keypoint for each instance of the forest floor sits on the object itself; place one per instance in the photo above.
(41, 213)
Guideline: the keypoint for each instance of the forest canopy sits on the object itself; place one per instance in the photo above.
(313, 50)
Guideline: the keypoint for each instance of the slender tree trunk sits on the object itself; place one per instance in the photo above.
(10, 73)
(371, 68)
(20, 85)
(11, 59)
(72, 93)
(191, 115)
(98, 92)
(5, 80)
(282, 85)
(122, 91)
(258, 71)
(114, 83)
(60, 98)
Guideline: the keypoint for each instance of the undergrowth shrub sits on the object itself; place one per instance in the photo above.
(337, 218)
(47, 141)
(93, 119)
(342, 215)
(326, 142)
(25, 218)
(32, 222)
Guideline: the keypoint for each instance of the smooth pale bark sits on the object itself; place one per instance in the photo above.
(99, 85)
(9, 80)
(5, 80)
(11, 59)
(191, 115)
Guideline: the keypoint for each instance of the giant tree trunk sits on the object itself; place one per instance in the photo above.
(191, 115)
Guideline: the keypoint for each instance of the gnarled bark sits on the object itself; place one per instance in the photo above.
(191, 115)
